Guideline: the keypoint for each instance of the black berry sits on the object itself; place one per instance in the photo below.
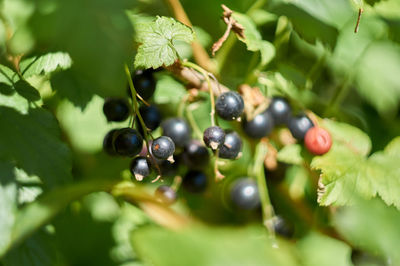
(140, 168)
(178, 130)
(163, 148)
(214, 137)
(108, 143)
(144, 83)
(299, 125)
(166, 194)
(195, 181)
(232, 146)
(229, 105)
(244, 194)
(280, 110)
(151, 117)
(127, 142)
(116, 109)
(260, 126)
(283, 227)
(195, 155)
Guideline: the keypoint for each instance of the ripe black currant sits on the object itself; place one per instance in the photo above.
(260, 126)
(283, 227)
(151, 117)
(144, 83)
(195, 181)
(299, 125)
(232, 146)
(178, 130)
(280, 110)
(140, 168)
(244, 194)
(116, 109)
(229, 105)
(166, 194)
(163, 148)
(108, 143)
(195, 155)
(127, 142)
(214, 137)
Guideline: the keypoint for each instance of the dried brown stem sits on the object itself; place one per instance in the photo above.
(360, 11)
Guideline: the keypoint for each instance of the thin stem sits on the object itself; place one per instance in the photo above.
(210, 89)
(192, 122)
(258, 171)
(136, 109)
(176, 183)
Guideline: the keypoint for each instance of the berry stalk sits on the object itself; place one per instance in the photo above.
(206, 76)
(258, 171)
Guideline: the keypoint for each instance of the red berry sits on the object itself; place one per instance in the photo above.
(318, 141)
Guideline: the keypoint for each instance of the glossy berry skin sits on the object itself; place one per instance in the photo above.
(214, 137)
(299, 125)
(318, 141)
(140, 168)
(163, 147)
(232, 146)
(280, 110)
(229, 105)
(144, 83)
(108, 143)
(151, 117)
(166, 194)
(261, 125)
(127, 142)
(283, 228)
(195, 181)
(244, 194)
(178, 130)
(116, 109)
(195, 155)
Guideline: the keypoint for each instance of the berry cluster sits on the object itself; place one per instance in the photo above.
(175, 146)
(317, 140)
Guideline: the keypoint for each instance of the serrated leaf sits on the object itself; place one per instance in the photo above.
(202, 246)
(157, 40)
(384, 166)
(290, 154)
(253, 39)
(344, 175)
(345, 134)
(45, 64)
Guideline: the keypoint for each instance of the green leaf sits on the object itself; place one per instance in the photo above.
(32, 139)
(382, 88)
(384, 167)
(308, 26)
(344, 176)
(253, 39)
(85, 128)
(290, 154)
(371, 226)
(317, 249)
(347, 135)
(45, 64)
(97, 35)
(35, 215)
(8, 204)
(157, 40)
(168, 90)
(202, 246)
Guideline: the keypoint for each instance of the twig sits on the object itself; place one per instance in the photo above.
(360, 11)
